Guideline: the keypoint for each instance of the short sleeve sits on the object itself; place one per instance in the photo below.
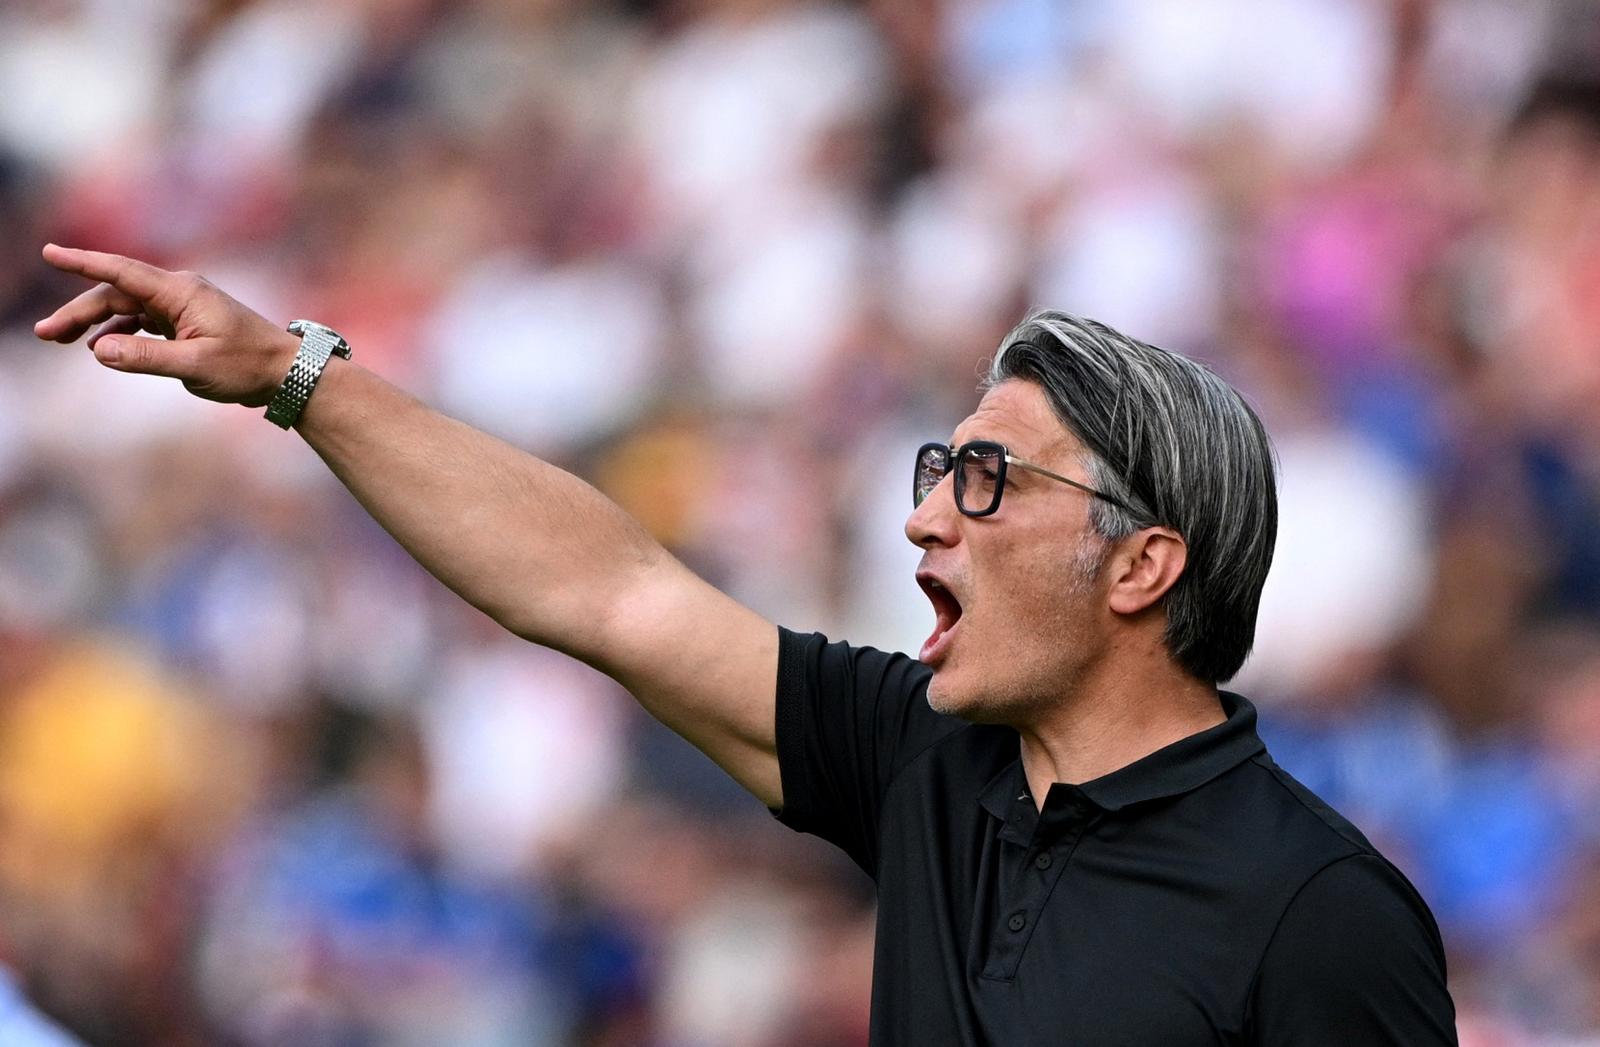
(1356, 958)
(848, 718)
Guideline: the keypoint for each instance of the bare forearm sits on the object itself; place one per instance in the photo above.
(536, 548)
(539, 550)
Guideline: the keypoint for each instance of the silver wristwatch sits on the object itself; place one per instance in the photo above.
(318, 343)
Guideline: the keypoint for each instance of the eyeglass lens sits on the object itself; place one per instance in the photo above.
(978, 471)
(933, 461)
(978, 477)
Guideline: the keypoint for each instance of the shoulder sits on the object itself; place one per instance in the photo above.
(1259, 801)
(1328, 855)
(1357, 951)
(1354, 946)
(1295, 853)
(825, 685)
(812, 659)
(1356, 895)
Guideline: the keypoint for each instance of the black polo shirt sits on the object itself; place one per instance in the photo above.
(1197, 896)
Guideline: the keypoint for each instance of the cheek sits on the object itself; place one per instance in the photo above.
(1016, 574)
(1035, 599)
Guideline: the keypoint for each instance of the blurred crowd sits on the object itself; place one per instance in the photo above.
(263, 781)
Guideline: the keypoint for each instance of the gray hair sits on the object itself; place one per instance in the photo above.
(1174, 441)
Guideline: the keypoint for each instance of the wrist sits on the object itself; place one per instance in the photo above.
(285, 347)
(316, 344)
(334, 376)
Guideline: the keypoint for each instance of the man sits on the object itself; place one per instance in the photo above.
(1077, 838)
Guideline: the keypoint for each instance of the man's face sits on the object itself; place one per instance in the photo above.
(1019, 608)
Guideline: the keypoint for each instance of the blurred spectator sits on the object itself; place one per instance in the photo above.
(22, 1025)
(337, 922)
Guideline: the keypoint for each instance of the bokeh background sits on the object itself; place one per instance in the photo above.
(263, 781)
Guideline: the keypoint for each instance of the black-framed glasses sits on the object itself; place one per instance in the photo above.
(980, 468)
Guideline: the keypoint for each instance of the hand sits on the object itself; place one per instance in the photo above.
(220, 349)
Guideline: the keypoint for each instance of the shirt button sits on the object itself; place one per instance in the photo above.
(1017, 922)
(1042, 861)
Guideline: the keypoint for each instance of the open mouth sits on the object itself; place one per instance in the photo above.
(947, 614)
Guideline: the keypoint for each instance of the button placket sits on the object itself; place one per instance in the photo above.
(1038, 878)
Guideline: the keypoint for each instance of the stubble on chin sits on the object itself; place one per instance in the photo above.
(1006, 707)
(996, 699)
(940, 700)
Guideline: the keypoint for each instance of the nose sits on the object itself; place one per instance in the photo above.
(934, 521)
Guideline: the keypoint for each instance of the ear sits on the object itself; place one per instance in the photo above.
(1146, 564)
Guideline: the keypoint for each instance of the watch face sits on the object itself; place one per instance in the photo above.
(336, 343)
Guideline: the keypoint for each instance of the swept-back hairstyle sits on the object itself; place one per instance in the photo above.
(1178, 444)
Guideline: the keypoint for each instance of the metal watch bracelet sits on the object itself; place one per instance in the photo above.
(318, 344)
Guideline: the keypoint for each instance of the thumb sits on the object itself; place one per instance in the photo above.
(138, 355)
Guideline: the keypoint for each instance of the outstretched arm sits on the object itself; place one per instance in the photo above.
(539, 550)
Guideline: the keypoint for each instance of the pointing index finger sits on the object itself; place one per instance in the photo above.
(129, 275)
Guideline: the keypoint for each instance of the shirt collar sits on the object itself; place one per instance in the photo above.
(1181, 767)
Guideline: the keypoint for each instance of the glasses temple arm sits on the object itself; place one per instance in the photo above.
(1041, 470)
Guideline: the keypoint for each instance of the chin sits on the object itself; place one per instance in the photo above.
(940, 698)
(947, 697)
(1011, 704)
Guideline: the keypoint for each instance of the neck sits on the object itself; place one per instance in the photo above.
(1110, 721)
